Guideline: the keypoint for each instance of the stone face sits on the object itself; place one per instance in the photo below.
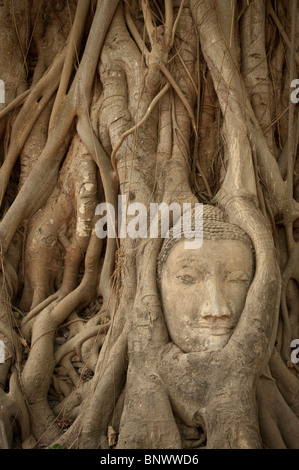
(204, 291)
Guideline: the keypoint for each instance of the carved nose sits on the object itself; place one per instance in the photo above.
(213, 304)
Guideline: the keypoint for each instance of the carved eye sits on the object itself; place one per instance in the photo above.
(237, 277)
(187, 279)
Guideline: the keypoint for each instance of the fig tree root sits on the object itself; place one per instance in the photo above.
(157, 101)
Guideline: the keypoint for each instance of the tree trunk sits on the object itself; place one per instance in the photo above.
(123, 105)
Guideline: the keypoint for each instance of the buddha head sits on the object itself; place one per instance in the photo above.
(203, 290)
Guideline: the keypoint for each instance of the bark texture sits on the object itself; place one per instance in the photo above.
(159, 101)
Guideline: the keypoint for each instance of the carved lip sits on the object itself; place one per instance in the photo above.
(216, 330)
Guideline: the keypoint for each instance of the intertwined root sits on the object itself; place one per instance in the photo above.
(134, 97)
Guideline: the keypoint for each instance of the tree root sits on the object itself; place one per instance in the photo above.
(75, 344)
(37, 373)
(92, 423)
(279, 425)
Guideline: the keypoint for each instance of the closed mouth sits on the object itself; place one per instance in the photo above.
(216, 330)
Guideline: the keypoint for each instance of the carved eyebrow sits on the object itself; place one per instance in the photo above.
(238, 274)
(185, 268)
(198, 263)
(189, 270)
(188, 260)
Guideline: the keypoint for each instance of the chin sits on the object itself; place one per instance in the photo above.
(217, 342)
(202, 344)
(212, 343)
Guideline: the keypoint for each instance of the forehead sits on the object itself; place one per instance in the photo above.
(231, 253)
